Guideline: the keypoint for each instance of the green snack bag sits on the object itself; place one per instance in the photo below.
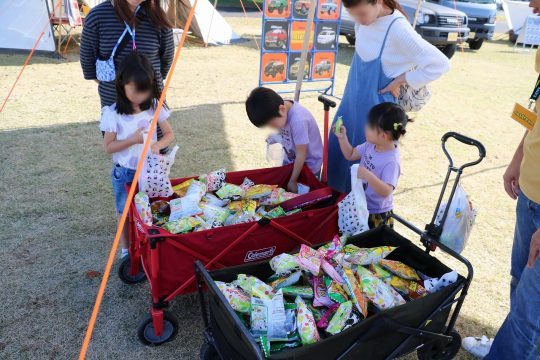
(340, 317)
(236, 297)
(286, 280)
(280, 346)
(318, 313)
(338, 124)
(305, 292)
(335, 291)
(265, 345)
(276, 212)
(379, 272)
(254, 286)
(230, 191)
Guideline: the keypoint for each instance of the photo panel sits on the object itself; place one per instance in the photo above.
(294, 66)
(277, 9)
(298, 29)
(276, 35)
(326, 36)
(329, 9)
(274, 67)
(323, 65)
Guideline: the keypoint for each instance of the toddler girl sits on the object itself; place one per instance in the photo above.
(379, 158)
(125, 122)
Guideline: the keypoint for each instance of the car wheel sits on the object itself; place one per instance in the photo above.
(449, 50)
(280, 11)
(475, 44)
(351, 39)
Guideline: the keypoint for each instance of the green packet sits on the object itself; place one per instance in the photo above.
(335, 291)
(305, 292)
(340, 318)
(276, 212)
(273, 347)
(338, 124)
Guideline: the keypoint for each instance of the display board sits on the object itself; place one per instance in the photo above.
(283, 29)
(532, 31)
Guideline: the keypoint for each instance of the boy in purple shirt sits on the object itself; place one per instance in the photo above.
(299, 132)
(379, 158)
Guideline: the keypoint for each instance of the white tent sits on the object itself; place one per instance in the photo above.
(21, 24)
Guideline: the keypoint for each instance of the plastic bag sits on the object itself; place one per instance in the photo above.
(459, 222)
(268, 317)
(353, 212)
(213, 180)
(307, 329)
(236, 297)
(154, 177)
(184, 207)
(382, 295)
(274, 150)
(142, 204)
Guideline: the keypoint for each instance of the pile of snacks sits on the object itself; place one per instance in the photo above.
(319, 293)
(210, 202)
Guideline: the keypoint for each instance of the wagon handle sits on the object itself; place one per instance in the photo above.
(327, 103)
(467, 141)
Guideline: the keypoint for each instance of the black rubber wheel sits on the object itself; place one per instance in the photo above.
(449, 50)
(351, 39)
(123, 273)
(512, 36)
(440, 350)
(208, 352)
(147, 335)
(475, 44)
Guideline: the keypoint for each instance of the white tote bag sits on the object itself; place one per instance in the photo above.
(154, 179)
(353, 212)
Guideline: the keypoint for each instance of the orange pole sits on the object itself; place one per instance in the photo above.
(245, 13)
(29, 57)
(106, 273)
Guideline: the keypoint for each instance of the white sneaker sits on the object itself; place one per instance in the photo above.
(477, 346)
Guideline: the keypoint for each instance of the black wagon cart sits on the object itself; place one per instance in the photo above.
(425, 325)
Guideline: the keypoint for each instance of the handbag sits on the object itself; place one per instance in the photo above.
(154, 179)
(352, 210)
(412, 100)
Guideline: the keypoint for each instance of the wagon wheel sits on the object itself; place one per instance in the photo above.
(123, 273)
(147, 335)
(440, 350)
(208, 352)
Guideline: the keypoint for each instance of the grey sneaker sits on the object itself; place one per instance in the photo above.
(477, 346)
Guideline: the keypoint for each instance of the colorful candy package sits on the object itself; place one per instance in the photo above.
(213, 180)
(338, 124)
(285, 196)
(246, 184)
(196, 190)
(268, 317)
(235, 206)
(408, 287)
(275, 213)
(286, 280)
(212, 199)
(381, 273)
(354, 291)
(184, 207)
(382, 295)
(214, 214)
(339, 319)
(309, 260)
(274, 198)
(284, 263)
(366, 256)
(318, 313)
(400, 269)
(307, 329)
(325, 319)
(304, 291)
(335, 291)
(320, 294)
(230, 191)
(353, 319)
(183, 225)
(249, 206)
(331, 271)
(254, 286)
(258, 191)
(236, 297)
(181, 188)
(142, 204)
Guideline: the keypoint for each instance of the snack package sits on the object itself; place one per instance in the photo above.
(268, 317)
(236, 297)
(181, 188)
(241, 218)
(213, 180)
(325, 319)
(318, 313)
(284, 263)
(366, 256)
(331, 271)
(304, 291)
(287, 196)
(184, 207)
(230, 191)
(355, 294)
(246, 184)
(400, 269)
(254, 286)
(274, 198)
(235, 206)
(335, 291)
(329, 250)
(258, 191)
(320, 294)
(382, 295)
(212, 199)
(249, 206)
(353, 319)
(409, 288)
(338, 124)
(160, 207)
(286, 280)
(435, 284)
(213, 214)
(307, 329)
(381, 273)
(142, 204)
(302, 189)
(196, 189)
(275, 213)
(340, 318)
(183, 225)
(309, 260)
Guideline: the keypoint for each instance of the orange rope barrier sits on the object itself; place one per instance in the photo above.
(29, 57)
(245, 13)
(110, 260)
(257, 5)
(66, 47)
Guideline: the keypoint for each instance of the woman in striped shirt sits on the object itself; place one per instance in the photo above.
(105, 24)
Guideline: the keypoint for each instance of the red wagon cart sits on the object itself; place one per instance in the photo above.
(166, 259)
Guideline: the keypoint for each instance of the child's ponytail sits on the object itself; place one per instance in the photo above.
(389, 117)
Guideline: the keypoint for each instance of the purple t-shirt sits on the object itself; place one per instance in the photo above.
(386, 166)
(301, 129)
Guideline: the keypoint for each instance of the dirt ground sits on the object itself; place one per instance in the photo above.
(56, 207)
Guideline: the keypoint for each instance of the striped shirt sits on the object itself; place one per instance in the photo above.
(101, 31)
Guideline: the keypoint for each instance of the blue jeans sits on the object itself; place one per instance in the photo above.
(518, 336)
(120, 177)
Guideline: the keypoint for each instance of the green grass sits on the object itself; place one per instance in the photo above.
(56, 206)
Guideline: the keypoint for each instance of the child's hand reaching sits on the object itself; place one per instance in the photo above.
(342, 134)
(292, 186)
(364, 173)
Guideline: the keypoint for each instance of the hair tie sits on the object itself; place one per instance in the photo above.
(397, 126)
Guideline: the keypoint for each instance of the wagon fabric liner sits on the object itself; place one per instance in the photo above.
(168, 258)
(386, 333)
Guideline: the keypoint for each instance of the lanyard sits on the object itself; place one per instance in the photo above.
(536, 92)
(132, 31)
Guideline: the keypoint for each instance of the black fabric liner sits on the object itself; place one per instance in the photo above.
(376, 337)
